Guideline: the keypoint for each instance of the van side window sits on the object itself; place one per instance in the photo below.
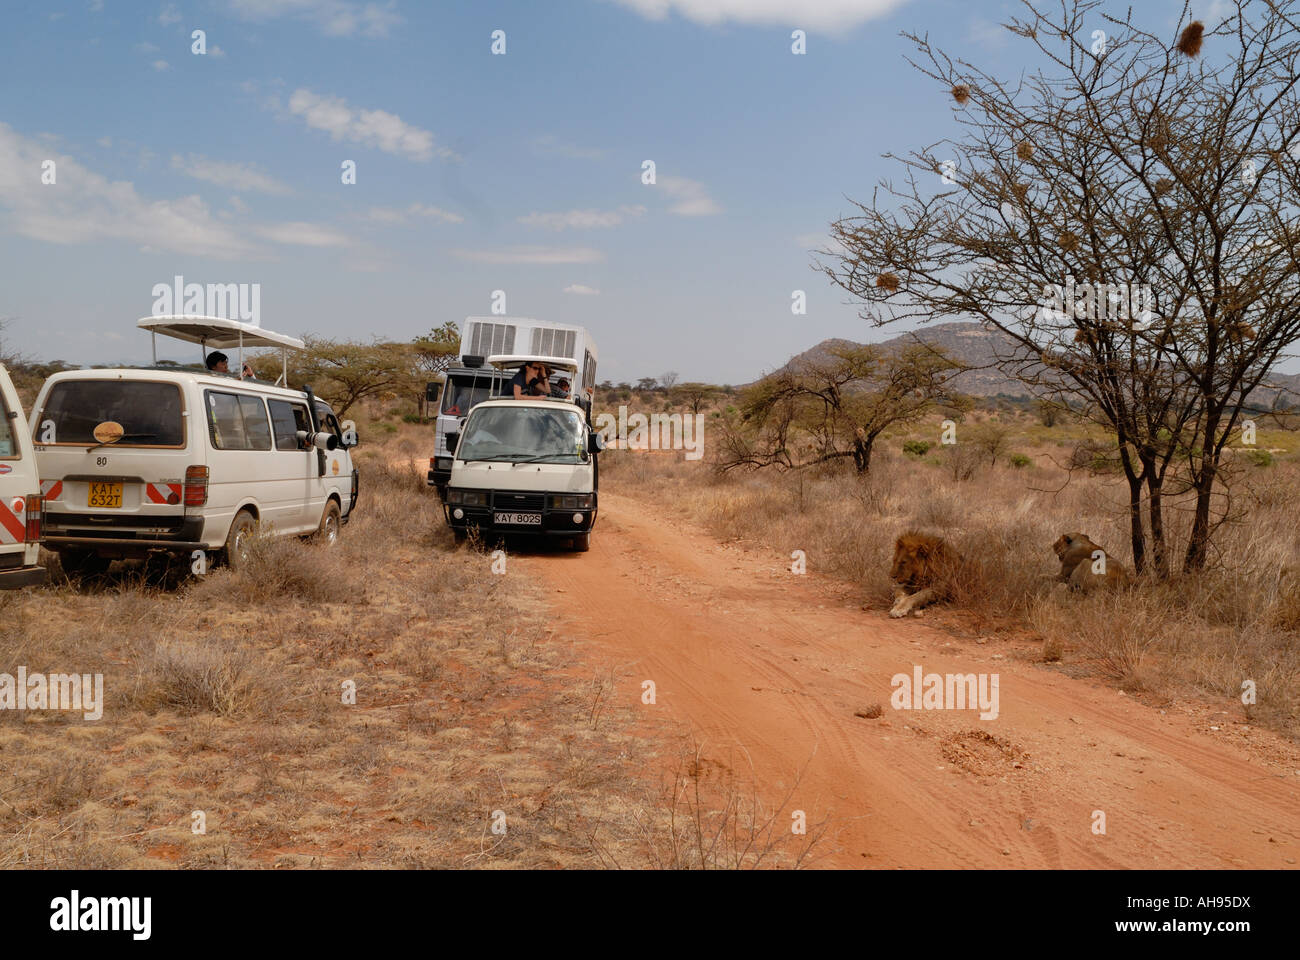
(6, 432)
(328, 422)
(225, 422)
(256, 427)
(237, 422)
(287, 419)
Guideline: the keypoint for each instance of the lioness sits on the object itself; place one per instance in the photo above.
(1085, 565)
(922, 571)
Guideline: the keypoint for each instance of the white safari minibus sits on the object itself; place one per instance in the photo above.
(525, 466)
(20, 495)
(147, 460)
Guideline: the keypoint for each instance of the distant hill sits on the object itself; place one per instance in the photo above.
(969, 343)
(979, 348)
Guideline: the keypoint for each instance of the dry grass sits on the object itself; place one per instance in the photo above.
(224, 694)
(1194, 635)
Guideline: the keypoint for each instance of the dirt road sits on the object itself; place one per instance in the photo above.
(747, 655)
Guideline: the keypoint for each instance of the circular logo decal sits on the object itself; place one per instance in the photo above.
(110, 431)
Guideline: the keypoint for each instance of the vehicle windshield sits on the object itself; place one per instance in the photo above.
(462, 393)
(149, 412)
(525, 434)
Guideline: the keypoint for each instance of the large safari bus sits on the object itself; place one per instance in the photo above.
(136, 461)
(472, 380)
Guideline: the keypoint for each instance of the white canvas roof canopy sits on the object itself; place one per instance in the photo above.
(218, 332)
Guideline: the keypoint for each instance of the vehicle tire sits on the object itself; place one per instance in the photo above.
(238, 541)
(83, 563)
(582, 542)
(331, 525)
(460, 535)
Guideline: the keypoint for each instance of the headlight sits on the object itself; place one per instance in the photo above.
(470, 498)
(442, 463)
(572, 501)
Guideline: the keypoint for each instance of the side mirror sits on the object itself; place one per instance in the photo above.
(431, 392)
(452, 439)
(595, 442)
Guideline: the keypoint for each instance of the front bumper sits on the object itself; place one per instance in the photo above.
(555, 522)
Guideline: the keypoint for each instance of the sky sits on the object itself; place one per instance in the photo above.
(475, 172)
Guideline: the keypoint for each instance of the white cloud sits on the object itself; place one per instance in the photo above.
(105, 142)
(393, 215)
(169, 14)
(85, 207)
(145, 47)
(372, 128)
(581, 289)
(551, 144)
(531, 255)
(237, 176)
(216, 52)
(691, 198)
(302, 234)
(821, 15)
(96, 6)
(582, 219)
(161, 65)
(335, 18)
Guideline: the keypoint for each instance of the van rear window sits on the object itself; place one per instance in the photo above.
(149, 412)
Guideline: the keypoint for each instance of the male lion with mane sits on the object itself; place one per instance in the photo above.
(922, 572)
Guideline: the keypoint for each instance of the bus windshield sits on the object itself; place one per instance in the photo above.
(462, 393)
(525, 434)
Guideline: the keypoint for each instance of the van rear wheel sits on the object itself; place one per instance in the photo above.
(330, 525)
(239, 541)
(83, 563)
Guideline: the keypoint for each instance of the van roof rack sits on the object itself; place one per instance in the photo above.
(218, 332)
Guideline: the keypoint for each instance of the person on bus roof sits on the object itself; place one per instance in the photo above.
(532, 380)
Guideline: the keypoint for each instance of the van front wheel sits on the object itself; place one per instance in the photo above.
(330, 525)
(582, 542)
(240, 539)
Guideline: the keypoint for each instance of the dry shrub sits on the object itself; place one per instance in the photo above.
(210, 676)
(278, 569)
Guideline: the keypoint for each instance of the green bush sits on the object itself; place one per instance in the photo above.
(1020, 460)
(1260, 458)
(917, 448)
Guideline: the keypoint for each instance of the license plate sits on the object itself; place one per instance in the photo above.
(104, 495)
(518, 519)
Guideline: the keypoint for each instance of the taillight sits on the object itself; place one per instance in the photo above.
(196, 487)
(35, 509)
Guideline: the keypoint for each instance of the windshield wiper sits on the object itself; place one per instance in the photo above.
(543, 456)
(125, 436)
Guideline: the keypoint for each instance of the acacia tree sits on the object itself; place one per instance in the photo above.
(1158, 181)
(820, 410)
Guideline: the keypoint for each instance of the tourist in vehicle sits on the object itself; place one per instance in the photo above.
(218, 362)
(532, 380)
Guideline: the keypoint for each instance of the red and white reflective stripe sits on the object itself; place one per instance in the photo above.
(51, 489)
(159, 492)
(13, 520)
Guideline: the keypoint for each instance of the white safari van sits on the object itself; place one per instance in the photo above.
(525, 466)
(148, 460)
(20, 495)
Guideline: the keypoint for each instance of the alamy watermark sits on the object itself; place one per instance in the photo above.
(657, 431)
(1098, 301)
(231, 301)
(55, 691)
(951, 691)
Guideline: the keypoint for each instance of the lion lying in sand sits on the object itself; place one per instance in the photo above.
(922, 572)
